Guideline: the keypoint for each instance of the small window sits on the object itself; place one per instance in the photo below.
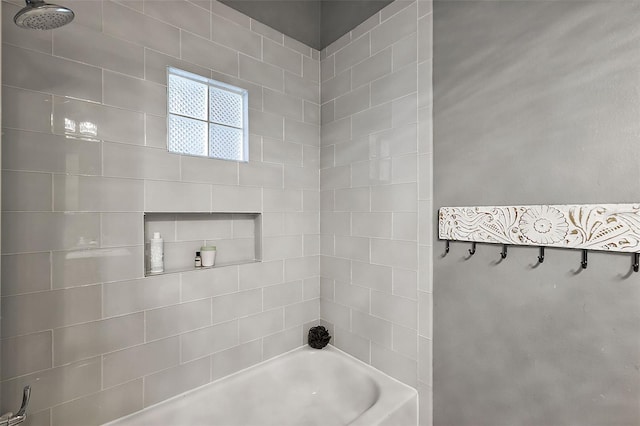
(206, 117)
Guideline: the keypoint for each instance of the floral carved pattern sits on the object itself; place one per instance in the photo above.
(607, 227)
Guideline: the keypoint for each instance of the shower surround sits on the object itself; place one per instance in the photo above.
(84, 156)
(80, 321)
(376, 215)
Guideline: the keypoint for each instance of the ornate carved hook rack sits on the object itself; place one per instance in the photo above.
(596, 227)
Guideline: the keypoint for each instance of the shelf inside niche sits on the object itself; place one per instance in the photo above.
(237, 236)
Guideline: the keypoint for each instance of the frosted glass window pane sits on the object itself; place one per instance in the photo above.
(225, 142)
(226, 107)
(206, 117)
(187, 97)
(187, 136)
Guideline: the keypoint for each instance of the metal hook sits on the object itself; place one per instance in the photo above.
(503, 254)
(541, 256)
(584, 259)
(446, 248)
(636, 262)
(472, 250)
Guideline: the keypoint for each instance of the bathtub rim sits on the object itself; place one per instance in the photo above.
(374, 415)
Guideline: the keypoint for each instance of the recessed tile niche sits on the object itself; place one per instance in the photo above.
(237, 236)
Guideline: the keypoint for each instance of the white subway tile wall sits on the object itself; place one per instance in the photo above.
(427, 217)
(84, 156)
(375, 191)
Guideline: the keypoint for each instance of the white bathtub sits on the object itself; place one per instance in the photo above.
(302, 387)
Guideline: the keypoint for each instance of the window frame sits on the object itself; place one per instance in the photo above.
(209, 83)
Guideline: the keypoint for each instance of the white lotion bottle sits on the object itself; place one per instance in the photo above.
(157, 254)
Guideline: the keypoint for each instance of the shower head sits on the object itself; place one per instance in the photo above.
(39, 15)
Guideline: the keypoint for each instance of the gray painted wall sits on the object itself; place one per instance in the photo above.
(299, 19)
(316, 23)
(338, 17)
(535, 102)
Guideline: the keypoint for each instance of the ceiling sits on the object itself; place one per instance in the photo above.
(316, 23)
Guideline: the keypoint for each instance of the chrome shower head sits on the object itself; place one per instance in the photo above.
(39, 15)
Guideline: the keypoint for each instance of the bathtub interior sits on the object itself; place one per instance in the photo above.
(302, 387)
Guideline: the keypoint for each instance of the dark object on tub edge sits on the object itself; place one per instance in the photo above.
(318, 337)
